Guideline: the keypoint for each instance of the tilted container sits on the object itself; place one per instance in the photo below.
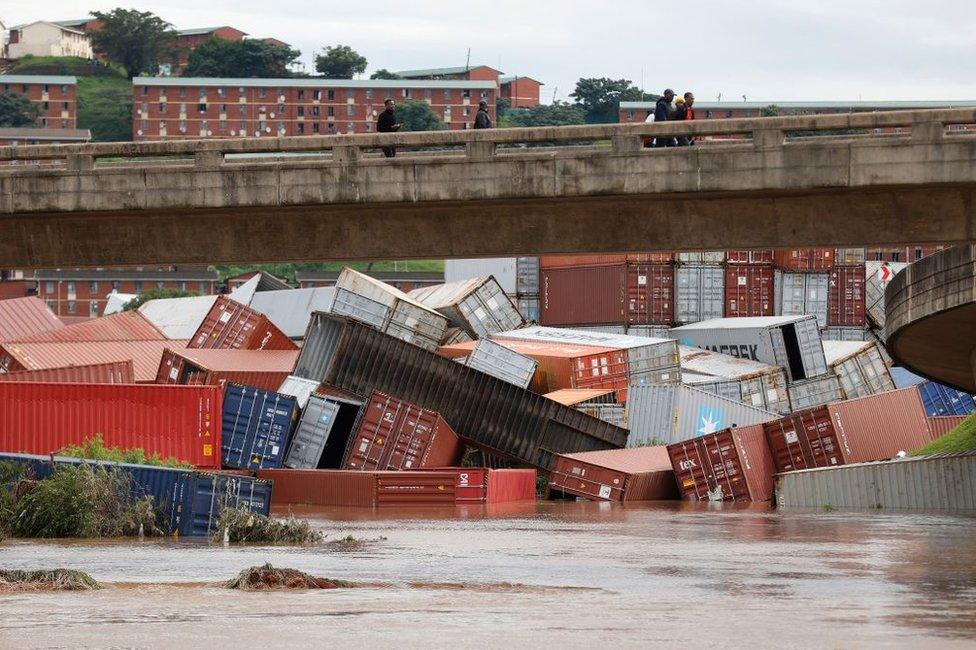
(300, 389)
(480, 306)
(877, 275)
(265, 369)
(752, 382)
(503, 269)
(117, 372)
(323, 432)
(860, 367)
(639, 474)
(808, 393)
(729, 465)
(937, 399)
(256, 427)
(499, 361)
(230, 325)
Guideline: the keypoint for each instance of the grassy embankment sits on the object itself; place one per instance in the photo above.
(962, 438)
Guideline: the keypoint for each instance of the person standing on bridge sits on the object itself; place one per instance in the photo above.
(685, 113)
(482, 120)
(662, 113)
(387, 123)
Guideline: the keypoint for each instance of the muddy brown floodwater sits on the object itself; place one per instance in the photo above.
(563, 574)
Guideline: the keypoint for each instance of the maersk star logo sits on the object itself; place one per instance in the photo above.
(709, 419)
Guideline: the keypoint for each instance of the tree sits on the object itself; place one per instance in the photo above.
(770, 111)
(418, 116)
(107, 112)
(383, 73)
(17, 110)
(557, 114)
(251, 58)
(601, 97)
(136, 40)
(502, 106)
(340, 62)
(155, 294)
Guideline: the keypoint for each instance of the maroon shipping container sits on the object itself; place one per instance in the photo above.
(728, 465)
(324, 487)
(585, 295)
(119, 372)
(940, 425)
(805, 259)
(638, 474)
(256, 368)
(650, 258)
(650, 294)
(230, 325)
(759, 256)
(394, 434)
(573, 261)
(182, 422)
(845, 296)
(860, 430)
(748, 290)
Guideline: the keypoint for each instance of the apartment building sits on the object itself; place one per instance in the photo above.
(55, 94)
(521, 92)
(169, 108)
(43, 38)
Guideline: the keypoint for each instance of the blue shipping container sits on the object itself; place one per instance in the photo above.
(937, 399)
(256, 426)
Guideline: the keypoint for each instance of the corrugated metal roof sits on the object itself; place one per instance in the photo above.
(145, 355)
(123, 326)
(237, 360)
(57, 80)
(837, 351)
(818, 105)
(176, 82)
(66, 26)
(507, 79)
(429, 72)
(573, 396)
(291, 310)
(632, 461)
(9, 133)
(26, 316)
(178, 318)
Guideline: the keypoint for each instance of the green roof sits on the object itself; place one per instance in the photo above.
(433, 72)
(312, 82)
(512, 77)
(59, 80)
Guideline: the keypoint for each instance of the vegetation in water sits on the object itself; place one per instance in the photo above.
(261, 578)
(9, 475)
(960, 439)
(54, 580)
(240, 525)
(95, 449)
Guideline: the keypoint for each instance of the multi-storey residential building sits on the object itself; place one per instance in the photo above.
(42, 38)
(182, 108)
(190, 39)
(83, 292)
(521, 92)
(54, 94)
(402, 280)
(20, 136)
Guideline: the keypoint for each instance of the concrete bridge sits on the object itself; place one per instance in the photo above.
(829, 180)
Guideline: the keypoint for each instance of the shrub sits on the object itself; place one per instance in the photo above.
(95, 449)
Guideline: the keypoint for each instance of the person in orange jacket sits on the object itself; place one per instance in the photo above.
(685, 112)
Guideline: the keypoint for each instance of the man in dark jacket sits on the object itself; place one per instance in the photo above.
(685, 113)
(387, 123)
(482, 120)
(662, 113)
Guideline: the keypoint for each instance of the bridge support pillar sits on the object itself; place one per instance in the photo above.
(766, 138)
(346, 154)
(81, 163)
(208, 159)
(626, 143)
(928, 132)
(479, 150)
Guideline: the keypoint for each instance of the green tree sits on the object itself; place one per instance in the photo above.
(155, 294)
(383, 73)
(418, 116)
(502, 106)
(136, 40)
(770, 111)
(340, 62)
(601, 97)
(556, 114)
(17, 110)
(106, 110)
(251, 58)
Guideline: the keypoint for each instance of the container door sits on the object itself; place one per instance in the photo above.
(313, 433)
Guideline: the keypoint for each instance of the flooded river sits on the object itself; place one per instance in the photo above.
(563, 574)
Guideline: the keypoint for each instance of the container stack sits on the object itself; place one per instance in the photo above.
(699, 286)
(583, 291)
(749, 284)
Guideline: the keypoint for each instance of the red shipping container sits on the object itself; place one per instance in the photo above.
(230, 325)
(759, 256)
(939, 425)
(144, 355)
(393, 434)
(638, 474)
(509, 485)
(650, 294)
(182, 422)
(728, 465)
(256, 368)
(20, 317)
(585, 295)
(324, 487)
(573, 261)
(125, 326)
(119, 372)
(845, 296)
(804, 259)
(650, 258)
(748, 290)
(860, 430)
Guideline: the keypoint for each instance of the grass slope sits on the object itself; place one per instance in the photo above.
(962, 438)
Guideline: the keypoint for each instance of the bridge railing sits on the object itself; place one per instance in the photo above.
(763, 132)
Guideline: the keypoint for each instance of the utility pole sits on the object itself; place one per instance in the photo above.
(467, 61)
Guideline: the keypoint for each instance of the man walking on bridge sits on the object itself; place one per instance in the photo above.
(685, 113)
(662, 113)
(482, 120)
(387, 123)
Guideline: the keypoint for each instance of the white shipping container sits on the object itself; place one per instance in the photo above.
(178, 318)
(860, 367)
(752, 382)
(504, 270)
(478, 305)
(797, 294)
(615, 414)
(701, 257)
(877, 275)
(291, 309)
(699, 293)
(498, 361)
(815, 392)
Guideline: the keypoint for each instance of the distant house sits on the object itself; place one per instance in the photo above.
(467, 73)
(42, 38)
(521, 92)
(274, 41)
(190, 39)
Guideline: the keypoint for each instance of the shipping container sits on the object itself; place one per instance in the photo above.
(290, 309)
(847, 295)
(749, 290)
(808, 393)
(860, 367)
(503, 269)
(926, 483)
(752, 382)
(640, 474)
(649, 331)
(484, 485)
(454, 335)
(487, 412)
(394, 434)
(791, 342)
(181, 422)
(937, 399)
(128, 326)
(498, 361)
(480, 306)
(846, 334)
(940, 425)
(853, 431)
(619, 330)
(700, 257)
(528, 306)
(729, 465)
(615, 414)
(265, 369)
(387, 309)
(323, 432)
(798, 294)
(20, 317)
(877, 275)
(143, 355)
(178, 318)
(583, 295)
(366, 489)
(662, 415)
(759, 256)
(699, 293)
(230, 325)
(300, 389)
(119, 372)
(574, 261)
(574, 396)
(256, 427)
(527, 276)
(849, 256)
(804, 259)
(650, 294)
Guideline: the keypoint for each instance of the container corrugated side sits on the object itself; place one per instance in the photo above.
(847, 296)
(529, 307)
(729, 465)
(939, 399)
(749, 290)
(808, 393)
(755, 383)
(700, 257)
(804, 259)
(585, 295)
(118, 372)
(758, 256)
(256, 427)
(527, 276)
(802, 293)
(510, 485)
(498, 361)
(573, 261)
(940, 425)
(479, 305)
(699, 293)
(650, 294)
(230, 325)
(859, 366)
(316, 487)
(641, 474)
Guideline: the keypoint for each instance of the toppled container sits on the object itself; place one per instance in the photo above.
(576, 396)
(178, 318)
(479, 305)
(256, 427)
(265, 369)
(650, 294)
(798, 294)
(853, 431)
(487, 412)
(387, 309)
(143, 355)
(116, 372)
(792, 342)
(639, 474)
(583, 295)
(323, 431)
(940, 425)
(230, 325)
(808, 393)
(300, 389)
(498, 361)
(699, 293)
(859, 366)
(749, 290)
(662, 415)
(366, 489)
(847, 296)
(290, 309)
(484, 485)
(181, 422)
(20, 317)
(729, 465)
(394, 434)
(752, 382)
(937, 399)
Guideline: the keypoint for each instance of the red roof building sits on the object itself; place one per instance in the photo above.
(521, 92)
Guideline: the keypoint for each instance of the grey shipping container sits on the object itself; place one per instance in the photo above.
(527, 276)
(291, 309)
(480, 306)
(752, 382)
(650, 331)
(603, 329)
(613, 413)
(877, 275)
(498, 361)
(943, 482)
(485, 411)
(699, 293)
(454, 335)
(815, 392)
(323, 432)
(528, 306)
(797, 294)
(860, 367)
(298, 388)
(662, 415)
(845, 334)
(792, 342)
(504, 269)
(701, 257)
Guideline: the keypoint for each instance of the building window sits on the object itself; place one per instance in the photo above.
(202, 107)
(316, 95)
(331, 94)
(71, 289)
(728, 113)
(115, 285)
(301, 111)
(301, 93)
(405, 92)
(350, 127)
(261, 93)
(93, 287)
(72, 307)
(162, 107)
(350, 110)
(243, 128)
(281, 128)
(182, 108)
(331, 111)
(467, 111)
(203, 125)
(466, 93)
(369, 127)
(49, 287)
(182, 285)
(182, 91)
(51, 304)
(93, 308)
(64, 106)
(708, 115)
(64, 124)
(301, 128)
(369, 93)
(447, 112)
(160, 284)
(202, 289)
(261, 125)
(428, 93)
(242, 110)
(145, 90)
(315, 127)
(447, 93)
(221, 92)
(138, 286)
(143, 124)
(182, 126)
(64, 89)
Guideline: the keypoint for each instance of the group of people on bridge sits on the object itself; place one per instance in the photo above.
(387, 122)
(669, 109)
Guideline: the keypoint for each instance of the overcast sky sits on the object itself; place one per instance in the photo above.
(764, 49)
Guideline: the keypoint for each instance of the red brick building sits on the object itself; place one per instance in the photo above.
(190, 39)
(55, 94)
(169, 108)
(521, 92)
(462, 73)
